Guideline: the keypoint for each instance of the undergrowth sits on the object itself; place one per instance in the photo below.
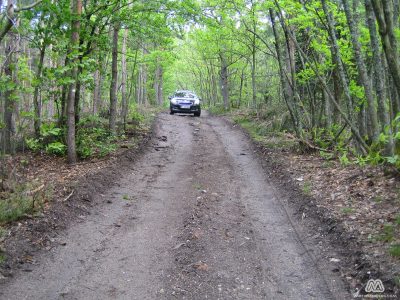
(272, 128)
(21, 201)
(93, 138)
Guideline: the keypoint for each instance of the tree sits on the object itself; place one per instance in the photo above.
(76, 9)
(114, 76)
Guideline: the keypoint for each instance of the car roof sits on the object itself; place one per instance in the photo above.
(186, 92)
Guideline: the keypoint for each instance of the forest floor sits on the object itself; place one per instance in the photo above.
(199, 211)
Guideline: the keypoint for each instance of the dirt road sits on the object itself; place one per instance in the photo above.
(195, 218)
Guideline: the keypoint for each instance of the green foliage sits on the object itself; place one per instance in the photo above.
(388, 233)
(50, 130)
(398, 219)
(94, 141)
(344, 160)
(57, 148)
(33, 144)
(307, 188)
(134, 115)
(347, 210)
(20, 203)
(217, 109)
(50, 140)
(394, 250)
(326, 155)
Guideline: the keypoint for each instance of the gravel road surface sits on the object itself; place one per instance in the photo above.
(195, 218)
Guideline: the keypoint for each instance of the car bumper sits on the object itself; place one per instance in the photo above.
(178, 109)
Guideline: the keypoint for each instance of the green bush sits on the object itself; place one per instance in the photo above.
(50, 140)
(57, 148)
(94, 141)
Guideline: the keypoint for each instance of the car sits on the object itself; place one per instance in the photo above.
(185, 102)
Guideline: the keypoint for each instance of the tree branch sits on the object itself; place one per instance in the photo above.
(28, 7)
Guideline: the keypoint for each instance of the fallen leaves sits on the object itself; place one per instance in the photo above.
(197, 233)
(201, 266)
(363, 199)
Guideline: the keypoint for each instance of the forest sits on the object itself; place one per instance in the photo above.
(301, 110)
(326, 71)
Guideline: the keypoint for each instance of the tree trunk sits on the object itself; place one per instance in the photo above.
(36, 101)
(124, 100)
(379, 77)
(9, 102)
(364, 147)
(76, 24)
(78, 88)
(384, 15)
(10, 93)
(158, 84)
(64, 91)
(352, 21)
(336, 55)
(224, 81)
(286, 88)
(253, 67)
(96, 92)
(114, 77)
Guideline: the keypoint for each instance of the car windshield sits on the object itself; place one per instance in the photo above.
(184, 95)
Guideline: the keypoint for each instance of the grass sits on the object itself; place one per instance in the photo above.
(126, 197)
(328, 164)
(307, 188)
(3, 232)
(20, 203)
(397, 220)
(15, 207)
(262, 134)
(387, 234)
(347, 210)
(394, 250)
(2, 257)
(397, 280)
(198, 186)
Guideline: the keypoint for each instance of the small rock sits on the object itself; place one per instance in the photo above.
(335, 260)
(178, 246)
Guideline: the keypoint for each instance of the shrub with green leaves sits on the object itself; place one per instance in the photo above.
(56, 148)
(95, 141)
(50, 140)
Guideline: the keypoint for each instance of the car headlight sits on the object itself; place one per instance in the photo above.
(174, 101)
(196, 102)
